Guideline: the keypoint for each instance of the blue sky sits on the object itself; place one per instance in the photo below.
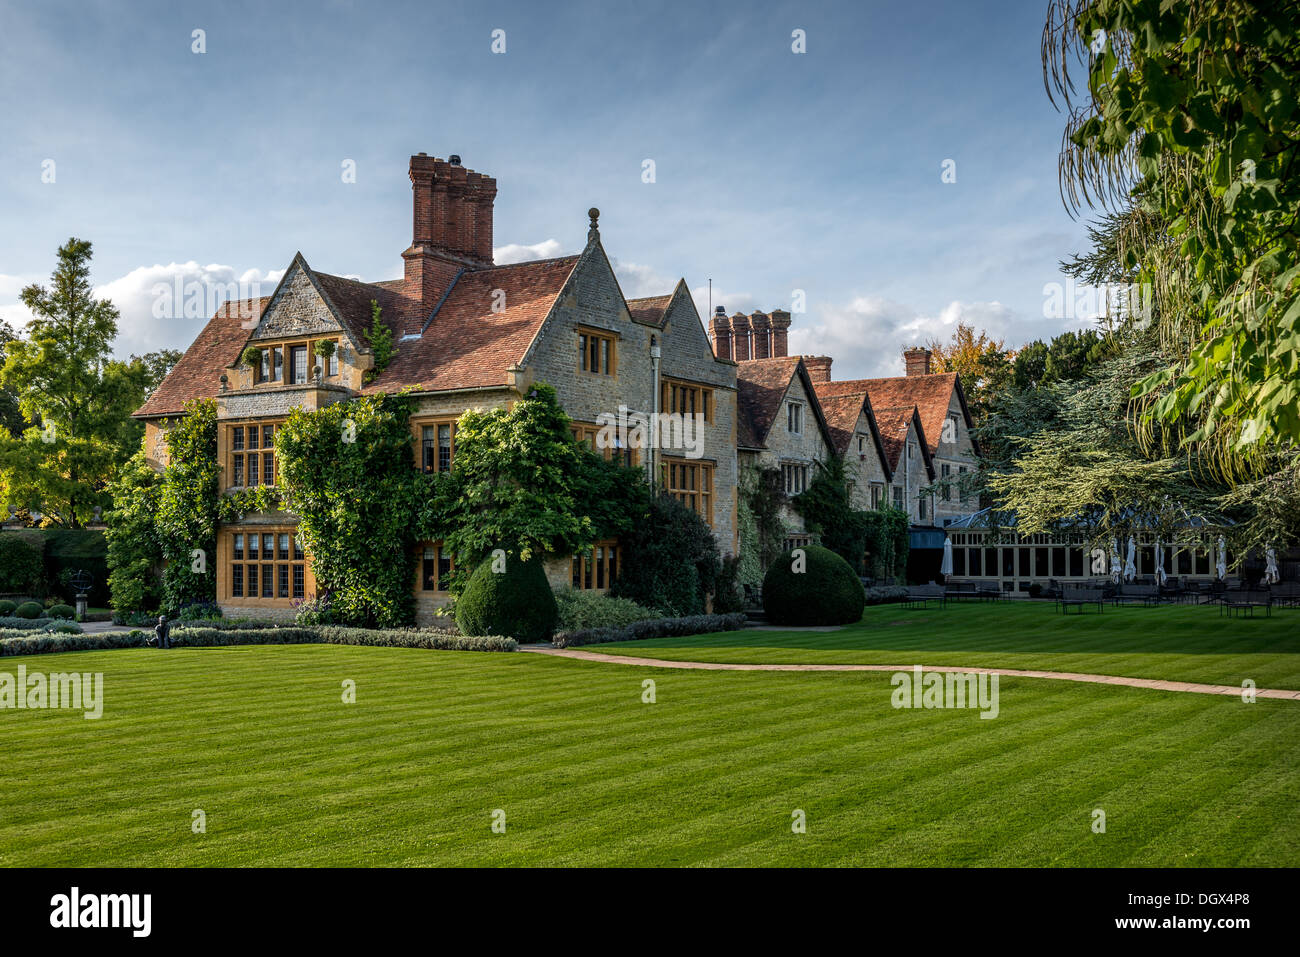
(774, 171)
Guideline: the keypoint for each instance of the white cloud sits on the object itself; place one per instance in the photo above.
(165, 307)
(516, 253)
(639, 281)
(866, 338)
(160, 307)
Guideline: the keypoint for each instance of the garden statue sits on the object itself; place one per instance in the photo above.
(161, 633)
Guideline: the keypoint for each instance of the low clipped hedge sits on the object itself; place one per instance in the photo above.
(47, 643)
(824, 591)
(517, 602)
(884, 594)
(65, 612)
(36, 624)
(581, 610)
(653, 628)
(29, 610)
(7, 608)
(33, 643)
(205, 637)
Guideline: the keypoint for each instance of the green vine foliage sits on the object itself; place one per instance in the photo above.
(135, 554)
(347, 471)
(762, 529)
(188, 508)
(872, 542)
(524, 485)
(381, 342)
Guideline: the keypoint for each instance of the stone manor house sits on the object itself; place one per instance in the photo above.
(470, 334)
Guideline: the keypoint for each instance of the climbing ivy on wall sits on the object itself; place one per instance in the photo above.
(162, 527)
(347, 471)
(188, 508)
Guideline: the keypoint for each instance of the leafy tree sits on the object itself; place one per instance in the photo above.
(157, 365)
(381, 341)
(77, 399)
(525, 485)
(1065, 358)
(11, 417)
(982, 363)
(1191, 114)
(670, 559)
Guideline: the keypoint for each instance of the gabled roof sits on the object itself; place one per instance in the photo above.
(931, 394)
(652, 310)
(467, 345)
(761, 385)
(198, 373)
(351, 300)
(842, 413)
(893, 423)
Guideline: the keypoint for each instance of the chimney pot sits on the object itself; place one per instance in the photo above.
(720, 333)
(762, 336)
(780, 320)
(819, 368)
(916, 361)
(740, 336)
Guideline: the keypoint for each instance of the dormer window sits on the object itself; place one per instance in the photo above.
(277, 364)
(298, 364)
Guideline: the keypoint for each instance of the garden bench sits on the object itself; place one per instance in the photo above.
(1080, 598)
(1132, 594)
(919, 595)
(1285, 593)
(1238, 603)
(965, 589)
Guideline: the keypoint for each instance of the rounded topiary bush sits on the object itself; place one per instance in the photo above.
(29, 609)
(820, 589)
(516, 602)
(62, 611)
(7, 608)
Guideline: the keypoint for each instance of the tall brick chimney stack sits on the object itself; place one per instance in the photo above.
(819, 368)
(780, 327)
(720, 333)
(740, 336)
(762, 335)
(917, 361)
(451, 225)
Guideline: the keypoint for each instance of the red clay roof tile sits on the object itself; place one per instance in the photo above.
(198, 373)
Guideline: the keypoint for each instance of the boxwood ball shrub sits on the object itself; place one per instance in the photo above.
(66, 612)
(29, 609)
(7, 608)
(516, 602)
(818, 588)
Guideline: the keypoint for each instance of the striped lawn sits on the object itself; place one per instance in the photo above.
(587, 774)
(1178, 643)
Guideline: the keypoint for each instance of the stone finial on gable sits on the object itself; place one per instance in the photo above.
(593, 233)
